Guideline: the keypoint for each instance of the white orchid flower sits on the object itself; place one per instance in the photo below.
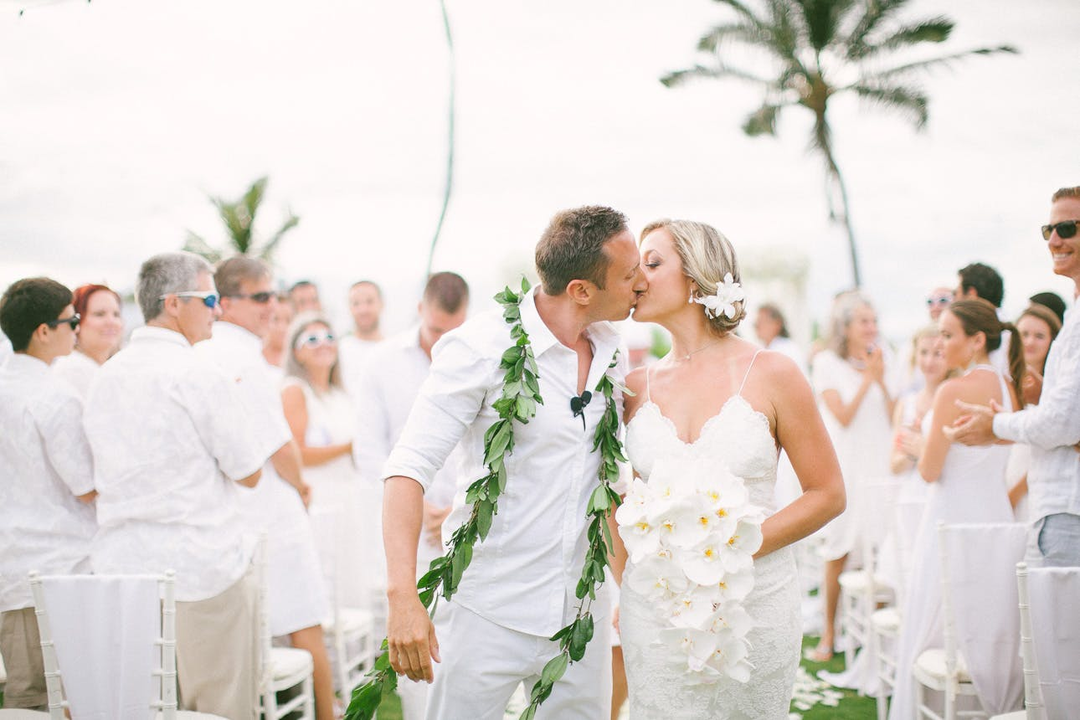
(658, 577)
(722, 302)
(704, 563)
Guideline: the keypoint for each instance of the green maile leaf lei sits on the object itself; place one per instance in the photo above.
(520, 396)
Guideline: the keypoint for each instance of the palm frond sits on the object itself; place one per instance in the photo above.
(821, 20)
(932, 30)
(254, 197)
(235, 223)
(196, 244)
(720, 71)
(267, 250)
(909, 102)
(745, 32)
(741, 8)
(876, 12)
(762, 121)
(934, 63)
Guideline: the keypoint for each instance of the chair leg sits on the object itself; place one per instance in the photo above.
(950, 700)
(309, 693)
(882, 697)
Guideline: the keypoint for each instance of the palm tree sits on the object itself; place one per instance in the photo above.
(239, 216)
(818, 49)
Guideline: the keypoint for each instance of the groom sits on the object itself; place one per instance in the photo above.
(519, 589)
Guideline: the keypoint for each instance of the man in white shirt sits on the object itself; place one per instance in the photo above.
(46, 474)
(356, 348)
(295, 596)
(1051, 428)
(304, 296)
(170, 443)
(982, 281)
(385, 395)
(519, 588)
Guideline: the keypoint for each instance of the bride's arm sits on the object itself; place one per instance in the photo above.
(801, 433)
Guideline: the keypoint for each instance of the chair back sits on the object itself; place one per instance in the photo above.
(108, 644)
(907, 518)
(1054, 599)
(979, 600)
(325, 529)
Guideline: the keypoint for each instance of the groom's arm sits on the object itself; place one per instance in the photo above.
(411, 637)
(448, 403)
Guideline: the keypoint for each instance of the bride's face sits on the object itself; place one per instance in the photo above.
(669, 287)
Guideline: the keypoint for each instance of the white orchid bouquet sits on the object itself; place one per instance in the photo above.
(691, 533)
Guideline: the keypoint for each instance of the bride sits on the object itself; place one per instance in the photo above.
(705, 633)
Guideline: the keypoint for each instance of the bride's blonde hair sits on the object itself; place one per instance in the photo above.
(706, 257)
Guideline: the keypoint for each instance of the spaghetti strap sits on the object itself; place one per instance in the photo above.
(747, 375)
(648, 395)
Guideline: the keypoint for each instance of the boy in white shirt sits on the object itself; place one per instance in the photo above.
(46, 474)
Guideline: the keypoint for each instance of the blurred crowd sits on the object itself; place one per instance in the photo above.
(237, 411)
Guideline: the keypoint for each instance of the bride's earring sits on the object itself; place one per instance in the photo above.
(691, 300)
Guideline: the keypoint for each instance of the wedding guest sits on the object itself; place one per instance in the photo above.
(5, 348)
(46, 475)
(771, 329)
(938, 299)
(304, 297)
(967, 484)
(856, 404)
(982, 281)
(170, 443)
(274, 344)
(387, 393)
(365, 306)
(1037, 327)
(1051, 428)
(296, 598)
(322, 420)
(1051, 300)
(101, 329)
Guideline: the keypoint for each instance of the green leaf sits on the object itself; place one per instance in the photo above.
(554, 669)
(525, 287)
(461, 560)
(579, 639)
(529, 713)
(484, 512)
(365, 701)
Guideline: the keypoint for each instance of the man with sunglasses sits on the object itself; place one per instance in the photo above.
(46, 474)
(170, 444)
(1051, 428)
(296, 598)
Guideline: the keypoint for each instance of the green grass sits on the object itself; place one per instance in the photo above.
(851, 707)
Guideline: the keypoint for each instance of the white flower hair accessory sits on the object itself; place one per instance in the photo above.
(722, 302)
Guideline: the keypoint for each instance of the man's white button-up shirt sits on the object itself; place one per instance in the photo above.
(1052, 428)
(45, 464)
(169, 438)
(522, 574)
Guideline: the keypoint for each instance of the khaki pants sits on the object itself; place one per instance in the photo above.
(217, 646)
(21, 647)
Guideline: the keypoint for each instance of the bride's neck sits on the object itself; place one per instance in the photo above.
(688, 335)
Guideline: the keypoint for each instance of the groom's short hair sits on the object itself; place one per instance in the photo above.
(572, 247)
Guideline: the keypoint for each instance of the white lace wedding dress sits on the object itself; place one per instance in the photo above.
(739, 438)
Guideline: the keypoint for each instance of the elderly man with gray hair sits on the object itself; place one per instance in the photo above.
(168, 436)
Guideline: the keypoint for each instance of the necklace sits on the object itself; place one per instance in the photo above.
(684, 358)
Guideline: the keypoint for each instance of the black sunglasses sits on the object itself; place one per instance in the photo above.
(260, 297)
(1065, 229)
(72, 322)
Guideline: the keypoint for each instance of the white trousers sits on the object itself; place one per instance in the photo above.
(482, 664)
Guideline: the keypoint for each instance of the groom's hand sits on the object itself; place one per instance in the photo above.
(411, 638)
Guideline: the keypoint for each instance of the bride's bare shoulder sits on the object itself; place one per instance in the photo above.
(635, 383)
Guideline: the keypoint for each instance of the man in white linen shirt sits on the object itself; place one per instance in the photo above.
(356, 348)
(170, 441)
(296, 599)
(385, 395)
(519, 588)
(46, 474)
(1051, 428)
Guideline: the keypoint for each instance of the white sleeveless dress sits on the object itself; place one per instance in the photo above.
(971, 489)
(739, 438)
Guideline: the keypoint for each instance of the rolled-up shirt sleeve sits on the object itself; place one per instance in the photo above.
(1055, 421)
(449, 401)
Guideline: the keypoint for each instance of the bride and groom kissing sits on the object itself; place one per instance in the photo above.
(709, 614)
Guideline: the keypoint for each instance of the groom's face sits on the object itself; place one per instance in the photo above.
(624, 280)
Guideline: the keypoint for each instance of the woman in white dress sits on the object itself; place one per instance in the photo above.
(323, 422)
(967, 483)
(101, 328)
(849, 378)
(720, 405)
(1037, 328)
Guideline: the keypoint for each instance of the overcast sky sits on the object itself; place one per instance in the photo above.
(117, 118)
